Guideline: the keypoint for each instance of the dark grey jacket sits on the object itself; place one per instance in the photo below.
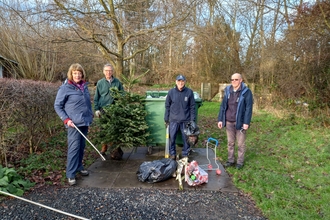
(244, 108)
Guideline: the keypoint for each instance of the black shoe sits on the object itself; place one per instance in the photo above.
(229, 164)
(103, 154)
(239, 166)
(84, 172)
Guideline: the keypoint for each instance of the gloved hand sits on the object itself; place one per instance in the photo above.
(167, 123)
(98, 113)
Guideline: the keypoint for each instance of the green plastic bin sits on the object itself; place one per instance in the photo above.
(155, 106)
(156, 94)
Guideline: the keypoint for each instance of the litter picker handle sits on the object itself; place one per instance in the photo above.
(89, 142)
(167, 144)
(212, 139)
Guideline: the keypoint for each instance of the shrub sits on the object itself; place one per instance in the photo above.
(123, 122)
(12, 182)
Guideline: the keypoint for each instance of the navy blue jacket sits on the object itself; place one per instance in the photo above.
(180, 105)
(74, 104)
(244, 108)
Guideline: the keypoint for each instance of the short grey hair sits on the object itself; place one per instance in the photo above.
(108, 64)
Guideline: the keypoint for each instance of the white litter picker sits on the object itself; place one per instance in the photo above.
(44, 206)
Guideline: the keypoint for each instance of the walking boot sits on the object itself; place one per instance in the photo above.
(104, 149)
(117, 154)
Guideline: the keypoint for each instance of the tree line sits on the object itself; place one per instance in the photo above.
(281, 46)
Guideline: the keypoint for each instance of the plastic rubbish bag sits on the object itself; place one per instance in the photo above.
(157, 170)
(194, 175)
(191, 128)
(191, 131)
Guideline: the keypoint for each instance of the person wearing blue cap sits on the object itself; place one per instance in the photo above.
(179, 110)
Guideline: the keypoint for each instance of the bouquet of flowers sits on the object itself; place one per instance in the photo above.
(194, 175)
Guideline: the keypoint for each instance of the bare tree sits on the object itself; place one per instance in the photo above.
(119, 30)
(207, 40)
(307, 55)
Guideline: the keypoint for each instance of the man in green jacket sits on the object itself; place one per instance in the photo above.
(103, 96)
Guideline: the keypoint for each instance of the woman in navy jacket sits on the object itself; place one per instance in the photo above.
(73, 106)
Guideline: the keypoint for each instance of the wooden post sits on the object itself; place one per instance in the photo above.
(222, 87)
(206, 91)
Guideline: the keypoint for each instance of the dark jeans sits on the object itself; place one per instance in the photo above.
(174, 129)
(76, 147)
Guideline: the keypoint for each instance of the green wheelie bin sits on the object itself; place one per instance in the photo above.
(155, 106)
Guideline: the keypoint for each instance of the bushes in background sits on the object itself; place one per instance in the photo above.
(26, 115)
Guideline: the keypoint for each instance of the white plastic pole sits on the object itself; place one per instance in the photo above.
(89, 142)
(44, 206)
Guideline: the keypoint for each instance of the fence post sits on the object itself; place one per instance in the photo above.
(222, 87)
(206, 91)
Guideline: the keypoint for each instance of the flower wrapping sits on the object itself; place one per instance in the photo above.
(194, 175)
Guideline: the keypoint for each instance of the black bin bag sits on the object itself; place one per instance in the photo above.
(157, 170)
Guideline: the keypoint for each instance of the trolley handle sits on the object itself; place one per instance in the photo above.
(212, 139)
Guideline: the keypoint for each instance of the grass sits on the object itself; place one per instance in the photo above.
(286, 167)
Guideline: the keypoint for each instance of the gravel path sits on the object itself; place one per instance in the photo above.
(96, 203)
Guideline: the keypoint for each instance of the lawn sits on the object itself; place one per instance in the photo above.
(286, 164)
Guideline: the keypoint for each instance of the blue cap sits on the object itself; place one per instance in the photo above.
(181, 77)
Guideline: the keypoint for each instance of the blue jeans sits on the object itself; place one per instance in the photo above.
(76, 147)
(174, 128)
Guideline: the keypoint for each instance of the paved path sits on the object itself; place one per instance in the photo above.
(122, 174)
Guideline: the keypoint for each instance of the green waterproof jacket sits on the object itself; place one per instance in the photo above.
(102, 95)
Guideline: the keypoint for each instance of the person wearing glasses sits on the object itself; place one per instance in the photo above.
(235, 114)
(103, 96)
(73, 105)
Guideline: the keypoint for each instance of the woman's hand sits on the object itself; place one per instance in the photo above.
(70, 123)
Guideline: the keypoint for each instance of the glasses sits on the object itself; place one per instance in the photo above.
(234, 79)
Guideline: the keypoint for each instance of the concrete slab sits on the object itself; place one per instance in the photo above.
(129, 180)
(122, 174)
